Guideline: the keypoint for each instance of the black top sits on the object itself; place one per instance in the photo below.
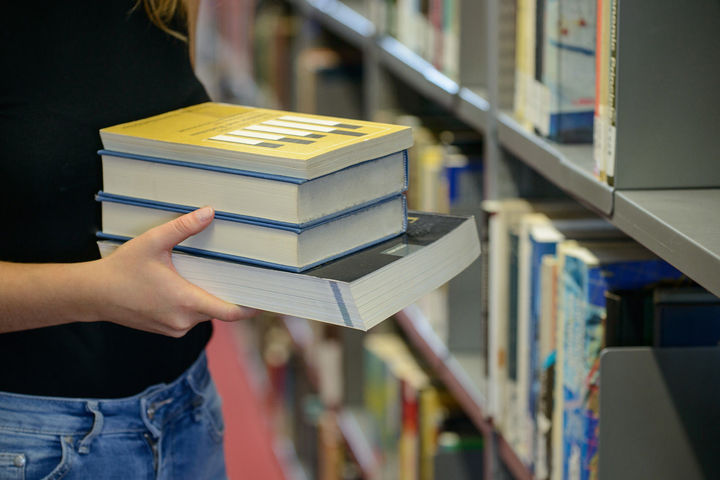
(69, 69)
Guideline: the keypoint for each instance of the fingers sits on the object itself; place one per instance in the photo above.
(167, 235)
(210, 306)
(198, 306)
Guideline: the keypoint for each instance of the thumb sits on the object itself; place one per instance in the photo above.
(169, 234)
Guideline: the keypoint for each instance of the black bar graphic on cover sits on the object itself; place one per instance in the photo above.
(296, 140)
(345, 132)
(347, 125)
(268, 145)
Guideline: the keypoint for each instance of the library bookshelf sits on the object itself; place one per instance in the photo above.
(676, 222)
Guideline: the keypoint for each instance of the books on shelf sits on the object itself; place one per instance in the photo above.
(358, 290)
(587, 271)
(564, 285)
(278, 199)
(638, 153)
(256, 139)
(537, 235)
(417, 422)
(259, 241)
(555, 56)
(430, 29)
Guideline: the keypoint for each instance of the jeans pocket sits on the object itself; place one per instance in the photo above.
(12, 466)
(208, 409)
(29, 456)
(212, 409)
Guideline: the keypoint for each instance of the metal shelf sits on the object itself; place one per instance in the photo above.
(510, 459)
(680, 226)
(339, 18)
(448, 370)
(417, 72)
(353, 427)
(568, 166)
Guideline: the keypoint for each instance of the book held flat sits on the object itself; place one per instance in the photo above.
(256, 139)
(358, 290)
(262, 242)
(273, 198)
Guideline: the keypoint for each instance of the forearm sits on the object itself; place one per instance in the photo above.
(137, 287)
(41, 295)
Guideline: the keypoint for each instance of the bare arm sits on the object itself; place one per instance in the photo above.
(137, 286)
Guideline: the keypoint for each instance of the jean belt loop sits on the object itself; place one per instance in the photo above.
(98, 420)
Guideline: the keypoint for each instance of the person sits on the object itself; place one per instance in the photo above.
(102, 370)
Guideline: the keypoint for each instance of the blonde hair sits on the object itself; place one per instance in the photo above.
(163, 12)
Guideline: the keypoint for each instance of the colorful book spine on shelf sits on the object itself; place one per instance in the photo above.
(535, 246)
(602, 55)
(611, 44)
(406, 407)
(587, 272)
(547, 347)
(525, 61)
(568, 70)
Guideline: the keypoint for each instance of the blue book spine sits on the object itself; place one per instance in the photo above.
(537, 251)
(574, 282)
(615, 276)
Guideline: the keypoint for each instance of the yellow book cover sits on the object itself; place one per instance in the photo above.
(256, 139)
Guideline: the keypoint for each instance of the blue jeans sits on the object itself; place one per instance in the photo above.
(170, 431)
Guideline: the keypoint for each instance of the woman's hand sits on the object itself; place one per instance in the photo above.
(146, 292)
(136, 286)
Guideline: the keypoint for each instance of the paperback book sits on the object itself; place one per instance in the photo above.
(358, 290)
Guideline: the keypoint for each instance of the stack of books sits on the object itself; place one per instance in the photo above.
(310, 210)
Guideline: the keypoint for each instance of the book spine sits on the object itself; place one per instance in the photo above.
(538, 352)
(598, 130)
(567, 71)
(511, 420)
(612, 95)
(574, 285)
(594, 334)
(547, 333)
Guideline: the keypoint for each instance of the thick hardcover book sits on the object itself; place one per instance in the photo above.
(265, 243)
(256, 139)
(358, 290)
(280, 199)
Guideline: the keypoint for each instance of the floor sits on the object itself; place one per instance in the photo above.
(248, 439)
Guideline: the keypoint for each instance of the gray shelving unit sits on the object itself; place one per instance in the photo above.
(659, 411)
(680, 225)
(568, 166)
(417, 72)
(339, 18)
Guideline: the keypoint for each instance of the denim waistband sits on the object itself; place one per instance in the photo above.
(148, 410)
